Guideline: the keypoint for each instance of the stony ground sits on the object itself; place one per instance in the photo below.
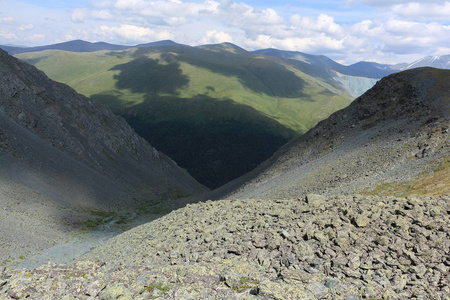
(346, 247)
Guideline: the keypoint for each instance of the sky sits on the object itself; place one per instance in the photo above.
(348, 31)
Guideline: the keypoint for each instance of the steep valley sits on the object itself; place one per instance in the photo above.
(217, 110)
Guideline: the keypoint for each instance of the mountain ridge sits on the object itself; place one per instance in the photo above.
(362, 68)
(82, 46)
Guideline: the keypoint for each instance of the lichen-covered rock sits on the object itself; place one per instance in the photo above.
(296, 253)
(115, 292)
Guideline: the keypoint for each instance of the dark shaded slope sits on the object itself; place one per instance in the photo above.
(392, 140)
(74, 143)
(215, 140)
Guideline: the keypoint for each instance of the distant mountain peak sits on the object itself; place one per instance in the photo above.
(441, 62)
(223, 47)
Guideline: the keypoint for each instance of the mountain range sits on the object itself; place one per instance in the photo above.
(355, 208)
(360, 69)
(201, 104)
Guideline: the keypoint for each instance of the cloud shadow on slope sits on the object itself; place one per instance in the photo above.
(257, 74)
(146, 75)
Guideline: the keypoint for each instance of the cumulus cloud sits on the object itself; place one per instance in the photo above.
(36, 37)
(6, 19)
(215, 37)
(165, 9)
(103, 14)
(100, 3)
(128, 32)
(389, 31)
(385, 3)
(423, 11)
(132, 33)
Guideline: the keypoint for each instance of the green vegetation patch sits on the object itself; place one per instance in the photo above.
(151, 289)
(102, 217)
(435, 182)
(245, 284)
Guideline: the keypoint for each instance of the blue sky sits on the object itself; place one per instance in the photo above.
(385, 31)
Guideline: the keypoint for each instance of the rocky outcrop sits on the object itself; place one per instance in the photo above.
(314, 247)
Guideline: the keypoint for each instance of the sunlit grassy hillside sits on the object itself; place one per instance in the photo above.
(217, 110)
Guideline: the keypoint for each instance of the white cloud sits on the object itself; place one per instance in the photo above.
(388, 31)
(216, 37)
(103, 14)
(36, 38)
(130, 34)
(165, 9)
(26, 27)
(427, 11)
(100, 3)
(8, 36)
(175, 21)
(79, 14)
(8, 19)
(441, 51)
(384, 3)
(323, 23)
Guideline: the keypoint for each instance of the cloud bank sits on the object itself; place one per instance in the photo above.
(385, 31)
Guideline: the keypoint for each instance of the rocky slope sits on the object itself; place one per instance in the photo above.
(393, 140)
(62, 155)
(310, 248)
(276, 238)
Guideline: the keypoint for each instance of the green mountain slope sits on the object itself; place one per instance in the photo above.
(217, 110)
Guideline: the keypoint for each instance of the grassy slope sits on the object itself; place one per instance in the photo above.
(168, 92)
(91, 74)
